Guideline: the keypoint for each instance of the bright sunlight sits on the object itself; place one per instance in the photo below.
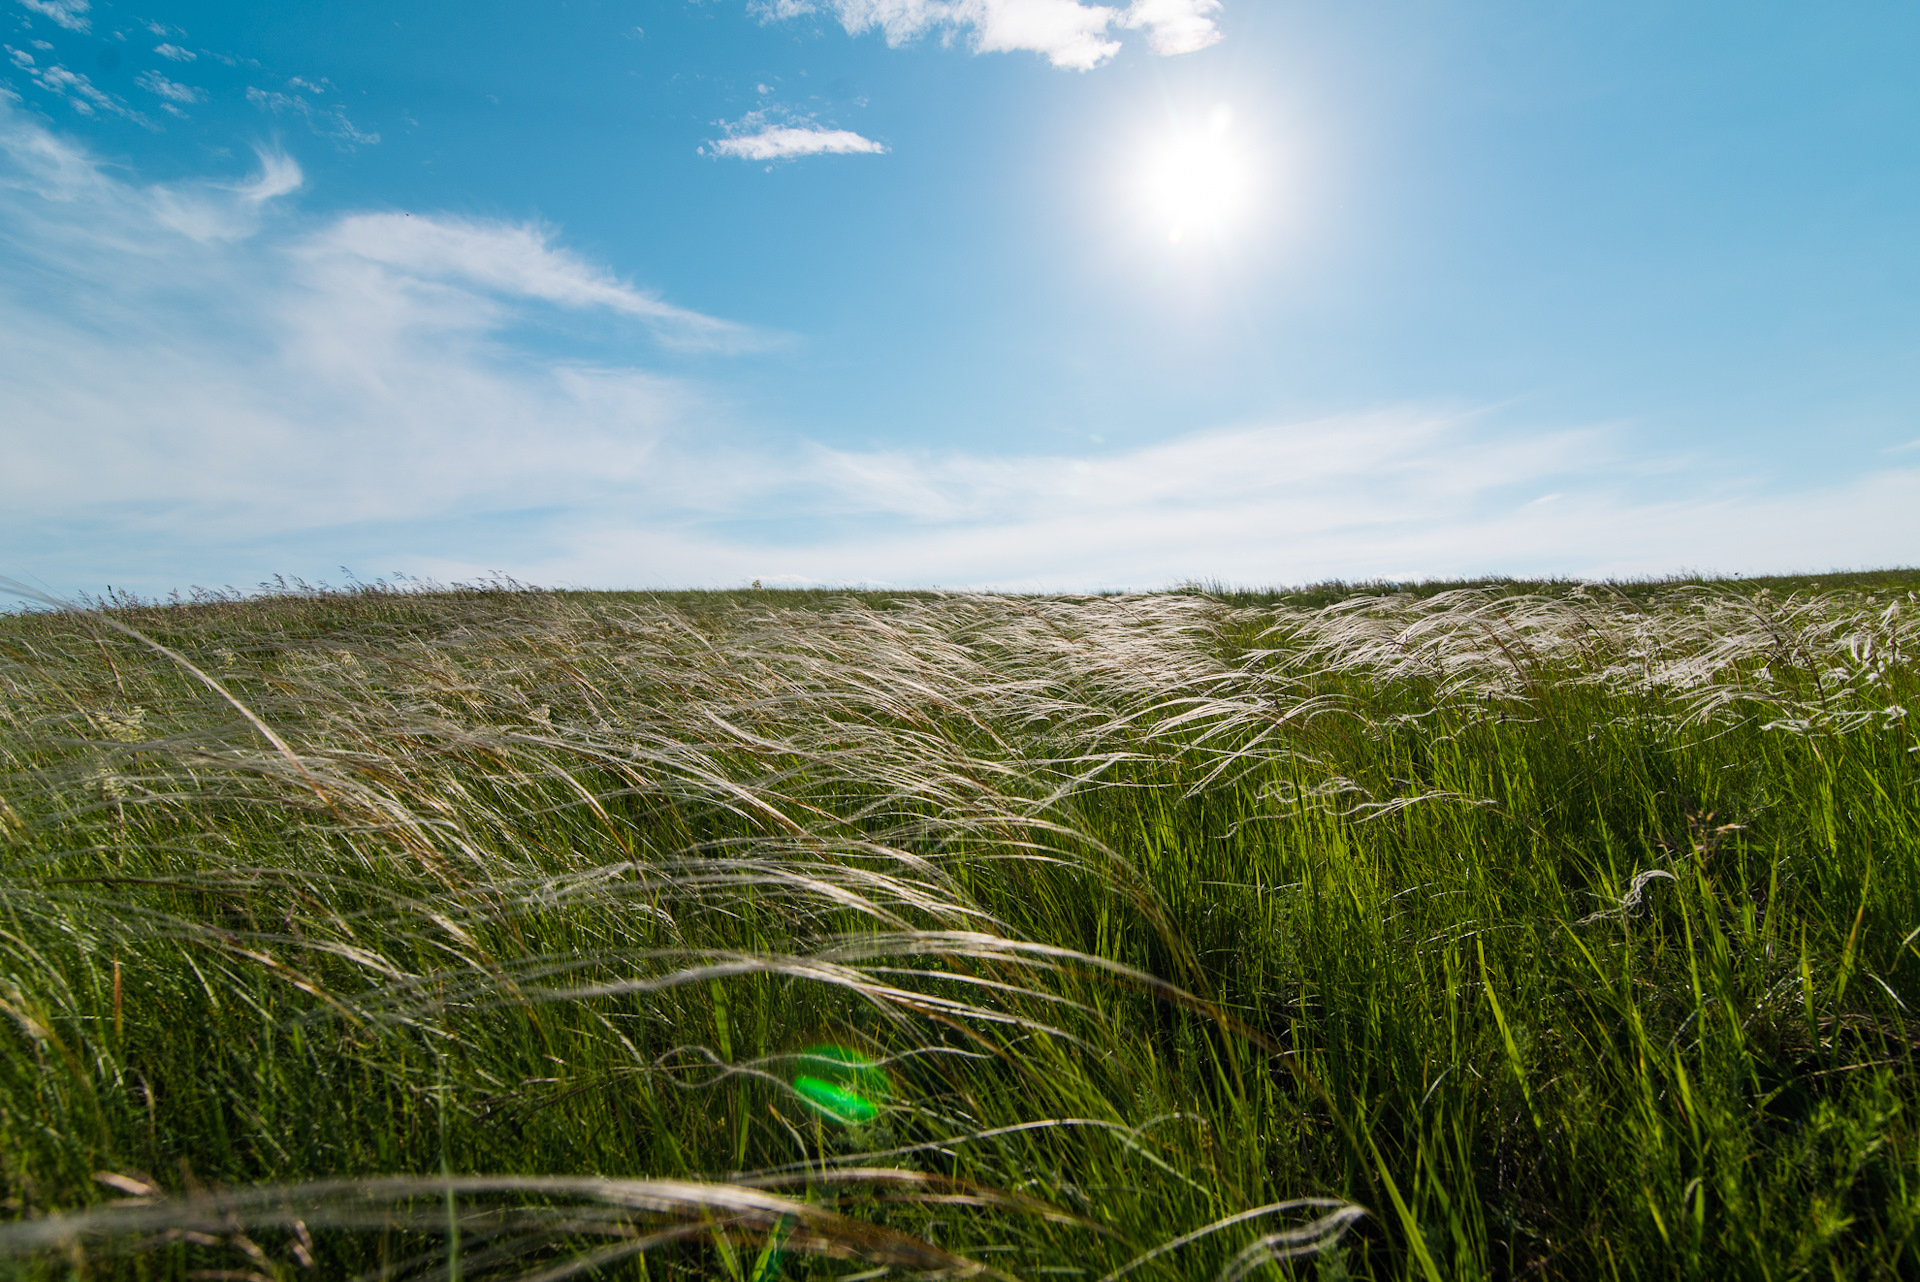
(1198, 182)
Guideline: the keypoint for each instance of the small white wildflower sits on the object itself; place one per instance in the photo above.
(128, 726)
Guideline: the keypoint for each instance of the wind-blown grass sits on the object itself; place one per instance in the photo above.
(486, 933)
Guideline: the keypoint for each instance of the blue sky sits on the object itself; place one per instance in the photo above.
(1012, 293)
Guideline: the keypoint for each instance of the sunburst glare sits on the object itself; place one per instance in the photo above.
(1198, 182)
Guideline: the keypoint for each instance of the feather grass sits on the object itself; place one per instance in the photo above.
(1486, 932)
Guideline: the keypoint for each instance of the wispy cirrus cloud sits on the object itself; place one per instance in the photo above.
(1397, 494)
(327, 120)
(1067, 33)
(204, 385)
(71, 14)
(175, 53)
(514, 260)
(80, 92)
(197, 376)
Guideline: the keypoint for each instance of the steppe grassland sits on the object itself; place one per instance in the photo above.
(481, 933)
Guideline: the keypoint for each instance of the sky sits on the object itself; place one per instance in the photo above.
(1016, 294)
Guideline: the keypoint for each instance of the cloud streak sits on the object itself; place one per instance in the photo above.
(327, 121)
(788, 142)
(1394, 495)
(504, 259)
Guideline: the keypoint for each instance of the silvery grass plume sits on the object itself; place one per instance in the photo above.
(452, 830)
(524, 1228)
(853, 761)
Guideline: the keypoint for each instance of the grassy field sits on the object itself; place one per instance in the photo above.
(1393, 931)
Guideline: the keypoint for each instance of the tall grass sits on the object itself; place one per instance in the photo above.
(495, 933)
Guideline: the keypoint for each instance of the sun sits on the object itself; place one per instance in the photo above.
(1197, 182)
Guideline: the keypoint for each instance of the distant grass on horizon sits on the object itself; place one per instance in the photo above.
(1500, 929)
(1302, 596)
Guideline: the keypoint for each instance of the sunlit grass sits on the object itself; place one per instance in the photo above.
(1496, 930)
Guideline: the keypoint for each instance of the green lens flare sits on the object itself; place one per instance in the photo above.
(833, 1102)
(840, 1085)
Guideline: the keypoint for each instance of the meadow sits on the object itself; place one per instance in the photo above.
(1444, 931)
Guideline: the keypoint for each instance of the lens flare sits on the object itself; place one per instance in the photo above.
(833, 1102)
(840, 1085)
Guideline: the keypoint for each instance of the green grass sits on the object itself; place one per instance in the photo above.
(1401, 931)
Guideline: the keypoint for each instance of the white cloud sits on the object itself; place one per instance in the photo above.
(1066, 32)
(72, 211)
(155, 83)
(279, 175)
(81, 93)
(175, 52)
(517, 260)
(1396, 495)
(328, 122)
(210, 214)
(202, 385)
(70, 14)
(1174, 26)
(784, 142)
(1069, 34)
(216, 372)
